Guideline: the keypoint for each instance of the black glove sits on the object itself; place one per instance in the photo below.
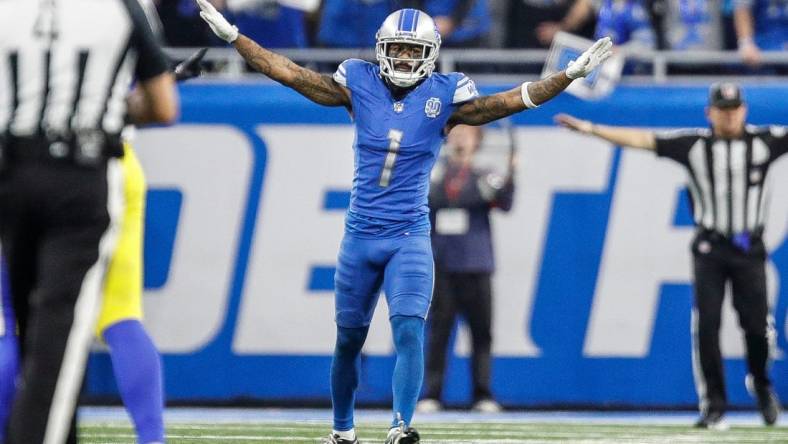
(191, 67)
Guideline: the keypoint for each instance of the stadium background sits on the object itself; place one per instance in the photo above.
(593, 297)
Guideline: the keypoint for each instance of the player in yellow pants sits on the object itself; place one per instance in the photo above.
(135, 360)
(123, 287)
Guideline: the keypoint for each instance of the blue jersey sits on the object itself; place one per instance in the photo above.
(476, 23)
(351, 23)
(771, 22)
(396, 145)
(273, 26)
(625, 21)
(695, 30)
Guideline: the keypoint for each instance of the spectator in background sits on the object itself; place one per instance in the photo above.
(534, 23)
(351, 23)
(182, 24)
(694, 25)
(270, 23)
(658, 13)
(463, 23)
(760, 25)
(267, 21)
(627, 22)
(728, 28)
(461, 198)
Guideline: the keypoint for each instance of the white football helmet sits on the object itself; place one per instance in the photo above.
(410, 27)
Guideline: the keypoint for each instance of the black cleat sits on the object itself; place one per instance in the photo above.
(335, 439)
(768, 403)
(403, 435)
(712, 420)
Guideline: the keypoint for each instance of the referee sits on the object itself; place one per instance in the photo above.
(65, 71)
(727, 168)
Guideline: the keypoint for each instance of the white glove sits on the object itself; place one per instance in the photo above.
(596, 54)
(219, 25)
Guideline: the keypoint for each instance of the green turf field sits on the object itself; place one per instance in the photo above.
(455, 433)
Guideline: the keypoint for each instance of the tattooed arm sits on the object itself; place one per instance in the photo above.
(485, 109)
(319, 88)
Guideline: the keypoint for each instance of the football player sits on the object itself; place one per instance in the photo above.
(401, 111)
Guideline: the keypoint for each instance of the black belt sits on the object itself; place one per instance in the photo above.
(716, 236)
(744, 241)
(88, 148)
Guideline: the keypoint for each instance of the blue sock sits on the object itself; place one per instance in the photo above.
(345, 369)
(9, 368)
(9, 352)
(408, 332)
(137, 368)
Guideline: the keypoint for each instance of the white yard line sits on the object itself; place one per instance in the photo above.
(323, 416)
(574, 439)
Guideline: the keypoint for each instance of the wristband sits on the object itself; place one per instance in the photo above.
(526, 98)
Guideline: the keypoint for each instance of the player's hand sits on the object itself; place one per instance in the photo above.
(191, 67)
(219, 25)
(596, 54)
(574, 124)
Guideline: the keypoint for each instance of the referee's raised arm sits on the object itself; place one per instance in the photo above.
(626, 137)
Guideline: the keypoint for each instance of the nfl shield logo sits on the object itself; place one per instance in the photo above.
(399, 107)
(433, 107)
(729, 91)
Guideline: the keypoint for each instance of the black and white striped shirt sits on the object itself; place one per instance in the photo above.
(66, 65)
(727, 177)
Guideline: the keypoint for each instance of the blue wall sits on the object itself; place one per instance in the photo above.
(574, 240)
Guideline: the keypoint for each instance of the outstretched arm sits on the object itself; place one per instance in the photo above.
(319, 88)
(627, 137)
(485, 109)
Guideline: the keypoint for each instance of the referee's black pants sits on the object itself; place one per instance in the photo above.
(57, 237)
(717, 261)
(470, 295)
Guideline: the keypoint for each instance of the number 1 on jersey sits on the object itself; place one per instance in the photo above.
(395, 138)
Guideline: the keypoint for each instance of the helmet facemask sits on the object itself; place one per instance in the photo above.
(419, 67)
